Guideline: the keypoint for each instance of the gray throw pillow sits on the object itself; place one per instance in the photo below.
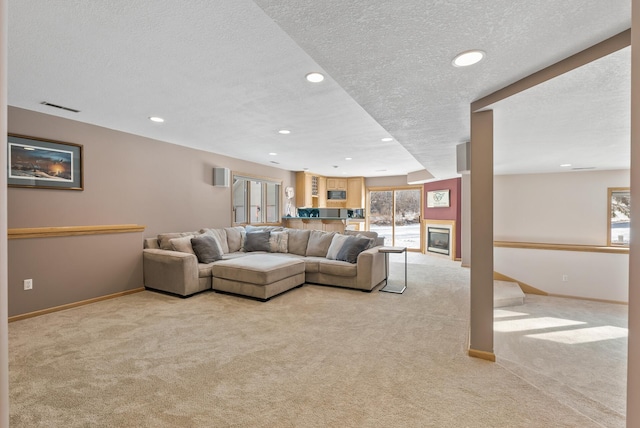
(351, 248)
(257, 241)
(337, 242)
(372, 241)
(207, 248)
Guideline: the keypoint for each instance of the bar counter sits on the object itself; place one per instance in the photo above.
(327, 224)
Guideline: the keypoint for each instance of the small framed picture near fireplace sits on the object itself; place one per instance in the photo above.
(44, 164)
(438, 198)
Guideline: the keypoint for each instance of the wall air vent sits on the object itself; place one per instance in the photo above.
(45, 103)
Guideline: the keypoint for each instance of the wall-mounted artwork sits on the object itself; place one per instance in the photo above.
(438, 198)
(44, 164)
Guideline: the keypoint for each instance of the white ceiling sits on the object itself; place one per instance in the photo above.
(227, 74)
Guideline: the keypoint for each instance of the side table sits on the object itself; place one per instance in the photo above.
(388, 287)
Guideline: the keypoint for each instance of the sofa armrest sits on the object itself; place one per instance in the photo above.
(370, 267)
(170, 271)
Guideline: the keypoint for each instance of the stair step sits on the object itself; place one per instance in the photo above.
(507, 293)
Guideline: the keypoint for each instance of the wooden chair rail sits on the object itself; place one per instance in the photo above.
(48, 232)
(562, 247)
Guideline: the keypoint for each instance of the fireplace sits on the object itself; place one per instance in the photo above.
(438, 240)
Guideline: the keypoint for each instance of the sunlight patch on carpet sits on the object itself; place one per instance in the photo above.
(583, 335)
(502, 313)
(533, 324)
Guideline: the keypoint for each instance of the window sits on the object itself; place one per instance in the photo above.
(255, 200)
(395, 214)
(619, 200)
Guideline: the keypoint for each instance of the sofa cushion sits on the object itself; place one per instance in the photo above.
(311, 264)
(319, 243)
(257, 241)
(235, 238)
(279, 242)
(164, 238)
(352, 247)
(372, 241)
(260, 269)
(249, 228)
(337, 268)
(337, 241)
(221, 235)
(298, 240)
(231, 256)
(182, 244)
(204, 270)
(207, 248)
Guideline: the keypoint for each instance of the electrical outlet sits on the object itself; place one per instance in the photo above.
(565, 278)
(28, 284)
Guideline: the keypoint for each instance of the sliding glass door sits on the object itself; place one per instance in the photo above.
(394, 213)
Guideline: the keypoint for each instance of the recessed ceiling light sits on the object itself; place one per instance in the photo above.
(387, 139)
(348, 158)
(273, 154)
(315, 77)
(156, 119)
(284, 132)
(468, 58)
(565, 165)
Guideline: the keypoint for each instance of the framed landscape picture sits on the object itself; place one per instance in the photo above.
(438, 199)
(44, 164)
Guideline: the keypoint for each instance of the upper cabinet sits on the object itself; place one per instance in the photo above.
(322, 191)
(336, 183)
(306, 190)
(355, 192)
(311, 191)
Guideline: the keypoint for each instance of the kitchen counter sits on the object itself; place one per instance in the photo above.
(315, 218)
(327, 224)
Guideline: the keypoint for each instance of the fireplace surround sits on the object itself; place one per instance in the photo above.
(439, 240)
(441, 230)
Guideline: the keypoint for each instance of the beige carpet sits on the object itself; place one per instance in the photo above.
(313, 357)
(575, 350)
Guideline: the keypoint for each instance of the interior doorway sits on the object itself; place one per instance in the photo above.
(395, 214)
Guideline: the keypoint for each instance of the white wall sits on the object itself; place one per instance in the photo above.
(565, 208)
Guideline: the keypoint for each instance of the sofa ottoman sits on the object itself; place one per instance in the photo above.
(260, 276)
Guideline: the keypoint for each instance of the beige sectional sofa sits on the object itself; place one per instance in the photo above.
(171, 265)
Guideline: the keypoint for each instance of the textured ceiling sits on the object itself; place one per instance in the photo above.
(227, 74)
(581, 118)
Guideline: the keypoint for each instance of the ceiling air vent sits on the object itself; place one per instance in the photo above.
(583, 168)
(45, 103)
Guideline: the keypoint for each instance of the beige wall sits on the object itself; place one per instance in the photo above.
(563, 208)
(127, 180)
(391, 181)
